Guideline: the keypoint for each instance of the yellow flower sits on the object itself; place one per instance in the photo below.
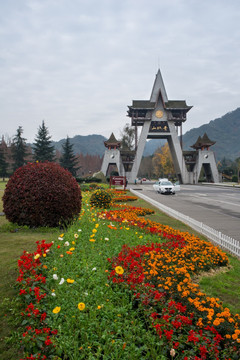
(70, 281)
(81, 306)
(94, 230)
(119, 270)
(92, 240)
(44, 255)
(76, 236)
(62, 235)
(36, 256)
(72, 249)
(99, 307)
(56, 309)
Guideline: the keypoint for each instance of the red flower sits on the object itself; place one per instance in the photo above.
(168, 334)
(192, 337)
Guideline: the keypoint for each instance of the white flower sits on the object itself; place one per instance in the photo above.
(55, 277)
(53, 294)
(66, 243)
(94, 269)
(106, 239)
(86, 293)
(79, 230)
(61, 281)
(61, 239)
(172, 352)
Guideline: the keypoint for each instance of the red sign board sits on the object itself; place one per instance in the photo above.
(118, 180)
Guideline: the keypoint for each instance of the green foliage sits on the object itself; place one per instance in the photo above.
(43, 150)
(68, 160)
(88, 180)
(94, 186)
(101, 198)
(18, 149)
(100, 176)
(3, 164)
(42, 194)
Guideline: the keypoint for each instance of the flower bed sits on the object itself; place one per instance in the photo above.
(116, 285)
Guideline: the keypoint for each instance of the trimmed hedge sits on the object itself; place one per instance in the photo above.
(42, 194)
(88, 180)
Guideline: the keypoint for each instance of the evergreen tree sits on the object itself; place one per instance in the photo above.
(3, 164)
(68, 160)
(43, 150)
(19, 149)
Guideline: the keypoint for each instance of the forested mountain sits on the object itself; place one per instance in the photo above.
(94, 145)
(225, 131)
(89, 144)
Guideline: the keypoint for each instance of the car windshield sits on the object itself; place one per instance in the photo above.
(166, 183)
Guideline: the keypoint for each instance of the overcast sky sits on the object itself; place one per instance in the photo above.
(77, 64)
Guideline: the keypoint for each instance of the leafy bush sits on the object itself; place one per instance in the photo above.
(90, 187)
(42, 194)
(234, 178)
(101, 198)
(94, 186)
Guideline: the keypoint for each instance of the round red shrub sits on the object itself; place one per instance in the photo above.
(42, 194)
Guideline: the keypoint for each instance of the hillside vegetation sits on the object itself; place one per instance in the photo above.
(225, 131)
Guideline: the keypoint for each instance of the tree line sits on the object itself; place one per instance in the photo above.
(17, 153)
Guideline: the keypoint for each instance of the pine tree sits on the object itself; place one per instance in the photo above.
(19, 149)
(68, 160)
(43, 150)
(3, 164)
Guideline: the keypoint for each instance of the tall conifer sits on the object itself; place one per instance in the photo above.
(68, 159)
(3, 164)
(19, 149)
(43, 150)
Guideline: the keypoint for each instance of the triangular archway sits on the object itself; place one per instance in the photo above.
(159, 119)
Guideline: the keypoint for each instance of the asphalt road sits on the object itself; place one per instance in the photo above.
(215, 206)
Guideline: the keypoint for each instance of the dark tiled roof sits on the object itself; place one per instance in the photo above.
(142, 104)
(112, 141)
(203, 141)
(177, 104)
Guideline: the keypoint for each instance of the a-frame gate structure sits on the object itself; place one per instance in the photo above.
(159, 118)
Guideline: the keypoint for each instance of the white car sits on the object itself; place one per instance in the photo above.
(164, 187)
(177, 186)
